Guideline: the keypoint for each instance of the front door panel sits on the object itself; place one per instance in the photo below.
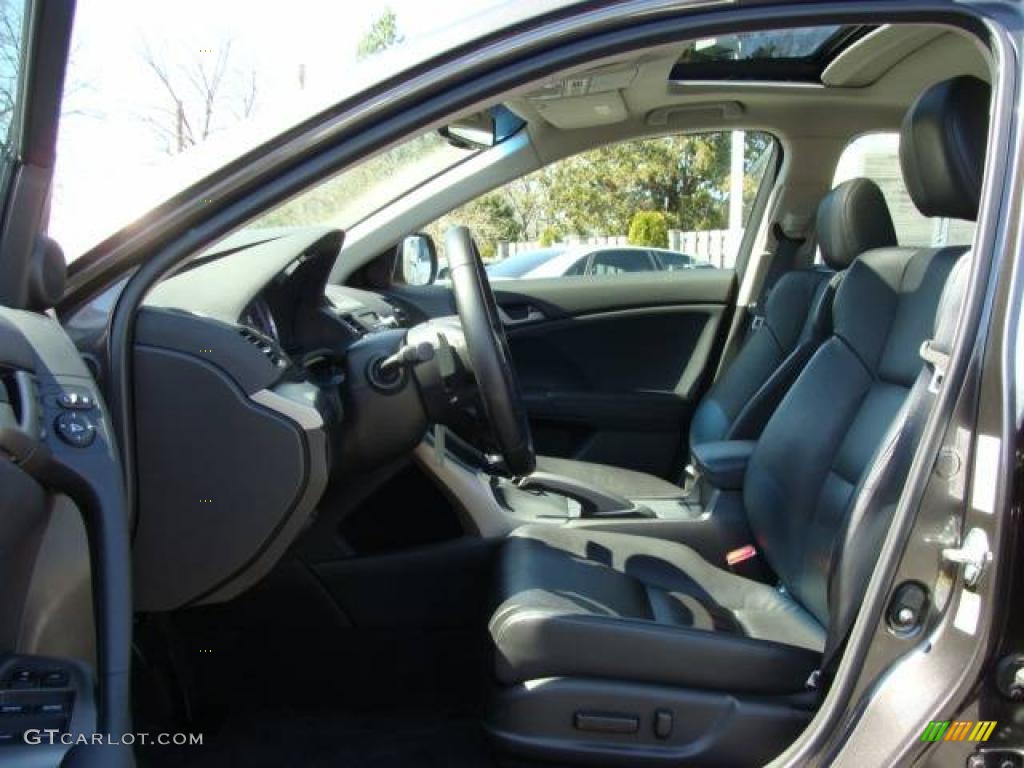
(612, 368)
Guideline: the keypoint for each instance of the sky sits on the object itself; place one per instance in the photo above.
(108, 146)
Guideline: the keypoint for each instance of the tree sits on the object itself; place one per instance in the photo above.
(686, 178)
(649, 228)
(10, 58)
(549, 236)
(383, 33)
(198, 93)
(683, 179)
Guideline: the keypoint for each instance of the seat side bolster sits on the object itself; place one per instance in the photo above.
(534, 644)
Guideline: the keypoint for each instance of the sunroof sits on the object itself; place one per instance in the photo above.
(779, 54)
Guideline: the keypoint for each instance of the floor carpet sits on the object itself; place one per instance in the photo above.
(286, 738)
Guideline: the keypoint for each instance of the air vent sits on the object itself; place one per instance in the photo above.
(350, 323)
(264, 345)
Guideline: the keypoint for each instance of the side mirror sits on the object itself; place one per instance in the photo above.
(417, 260)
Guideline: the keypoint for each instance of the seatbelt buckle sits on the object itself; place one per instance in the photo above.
(937, 360)
(756, 317)
(741, 555)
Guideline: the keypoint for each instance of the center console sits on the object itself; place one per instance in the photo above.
(555, 498)
(707, 515)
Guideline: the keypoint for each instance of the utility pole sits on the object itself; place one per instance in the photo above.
(735, 198)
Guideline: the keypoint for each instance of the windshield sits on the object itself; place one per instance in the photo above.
(350, 197)
(521, 263)
(159, 95)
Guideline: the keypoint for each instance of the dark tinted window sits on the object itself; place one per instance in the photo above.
(791, 54)
(671, 261)
(578, 268)
(617, 261)
(774, 44)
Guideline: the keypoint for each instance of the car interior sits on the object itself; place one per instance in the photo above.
(587, 519)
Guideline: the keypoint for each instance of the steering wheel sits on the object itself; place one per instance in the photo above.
(488, 352)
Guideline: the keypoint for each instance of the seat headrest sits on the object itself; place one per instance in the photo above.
(942, 147)
(853, 218)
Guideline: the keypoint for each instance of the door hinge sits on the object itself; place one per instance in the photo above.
(974, 554)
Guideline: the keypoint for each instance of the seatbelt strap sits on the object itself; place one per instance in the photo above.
(905, 434)
(784, 259)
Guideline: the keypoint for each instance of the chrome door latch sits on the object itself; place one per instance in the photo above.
(974, 554)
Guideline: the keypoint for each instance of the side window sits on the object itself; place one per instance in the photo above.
(671, 261)
(614, 262)
(690, 195)
(579, 268)
(876, 156)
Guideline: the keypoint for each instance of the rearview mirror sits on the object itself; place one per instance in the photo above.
(471, 132)
(417, 260)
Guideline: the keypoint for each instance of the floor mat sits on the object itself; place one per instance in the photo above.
(279, 739)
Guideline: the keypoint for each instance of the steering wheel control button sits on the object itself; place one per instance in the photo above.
(55, 679)
(22, 678)
(76, 400)
(75, 428)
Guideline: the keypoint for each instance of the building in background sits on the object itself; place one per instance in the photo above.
(876, 156)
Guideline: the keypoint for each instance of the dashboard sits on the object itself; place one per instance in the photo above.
(274, 282)
(240, 397)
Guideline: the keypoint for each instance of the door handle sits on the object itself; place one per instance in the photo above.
(532, 315)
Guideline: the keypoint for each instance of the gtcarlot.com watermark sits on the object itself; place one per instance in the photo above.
(53, 736)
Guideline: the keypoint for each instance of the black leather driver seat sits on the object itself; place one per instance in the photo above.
(597, 632)
(851, 219)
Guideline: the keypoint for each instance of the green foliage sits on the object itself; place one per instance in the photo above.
(649, 228)
(383, 33)
(549, 236)
(682, 180)
(686, 178)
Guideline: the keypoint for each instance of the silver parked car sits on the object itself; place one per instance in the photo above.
(574, 260)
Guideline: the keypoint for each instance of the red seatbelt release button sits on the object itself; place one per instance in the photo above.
(740, 555)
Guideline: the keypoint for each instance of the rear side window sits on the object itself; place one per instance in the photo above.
(876, 156)
(671, 261)
(617, 262)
